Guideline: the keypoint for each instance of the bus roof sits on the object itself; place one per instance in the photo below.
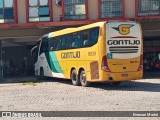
(121, 21)
(71, 30)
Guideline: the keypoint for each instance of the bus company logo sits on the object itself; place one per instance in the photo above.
(123, 29)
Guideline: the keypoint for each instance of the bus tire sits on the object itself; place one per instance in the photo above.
(74, 78)
(116, 83)
(83, 80)
(41, 74)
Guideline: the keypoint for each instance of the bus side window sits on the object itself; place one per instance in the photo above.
(73, 40)
(44, 46)
(78, 39)
(73, 44)
(69, 39)
(85, 43)
(64, 43)
(51, 44)
(85, 38)
(94, 33)
(57, 43)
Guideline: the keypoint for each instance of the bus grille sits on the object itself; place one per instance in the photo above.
(124, 49)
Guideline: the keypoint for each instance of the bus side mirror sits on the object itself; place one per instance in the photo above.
(34, 51)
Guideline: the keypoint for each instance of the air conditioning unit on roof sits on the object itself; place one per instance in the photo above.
(58, 2)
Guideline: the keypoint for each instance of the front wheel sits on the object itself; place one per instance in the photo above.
(83, 80)
(74, 78)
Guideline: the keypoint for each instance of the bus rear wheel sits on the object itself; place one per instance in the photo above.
(83, 80)
(74, 78)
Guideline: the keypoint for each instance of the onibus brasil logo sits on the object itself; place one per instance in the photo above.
(123, 29)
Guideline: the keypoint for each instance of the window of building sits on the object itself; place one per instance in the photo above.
(74, 9)
(6, 11)
(111, 8)
(39, 10)
(148, 7)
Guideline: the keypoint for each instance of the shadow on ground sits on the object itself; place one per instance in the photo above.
(142, 85)
(151, 75)
(130, 86)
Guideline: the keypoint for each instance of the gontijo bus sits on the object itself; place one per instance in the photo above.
(99, 52)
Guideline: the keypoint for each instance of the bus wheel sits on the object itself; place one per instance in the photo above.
(41, 74)
(74, 78)
(116, 83)
(83, 80)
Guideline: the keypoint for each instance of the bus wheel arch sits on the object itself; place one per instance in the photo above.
(74, 77)
(82, 78)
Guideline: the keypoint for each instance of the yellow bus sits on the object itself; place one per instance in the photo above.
(98, 52)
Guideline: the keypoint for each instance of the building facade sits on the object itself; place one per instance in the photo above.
(23, 12)
(22, 22)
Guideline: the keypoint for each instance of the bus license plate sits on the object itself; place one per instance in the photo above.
(124, 75)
